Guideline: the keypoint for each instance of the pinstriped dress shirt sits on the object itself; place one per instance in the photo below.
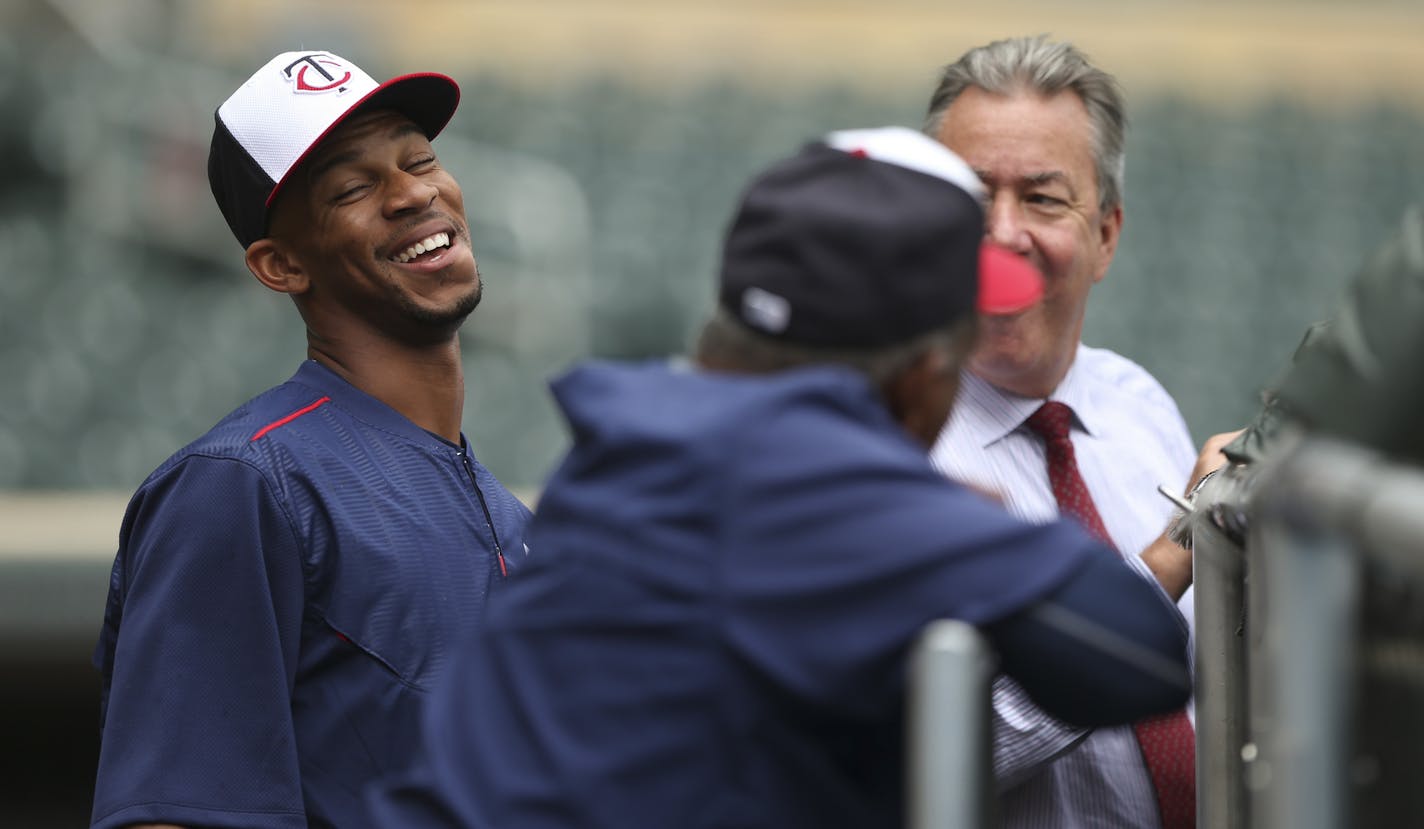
(1128, 437)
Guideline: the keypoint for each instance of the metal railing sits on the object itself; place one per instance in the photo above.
(1280, 643)
(949, 779)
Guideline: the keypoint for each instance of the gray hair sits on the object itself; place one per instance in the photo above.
(1039, 65)
(726, 342)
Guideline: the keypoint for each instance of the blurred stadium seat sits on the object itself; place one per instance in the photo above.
(598, 209)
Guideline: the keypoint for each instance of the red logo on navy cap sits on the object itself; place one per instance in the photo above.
(317, 73)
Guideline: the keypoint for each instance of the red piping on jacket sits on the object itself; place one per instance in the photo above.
(289, 418)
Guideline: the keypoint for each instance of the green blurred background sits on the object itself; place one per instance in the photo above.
(602, 147)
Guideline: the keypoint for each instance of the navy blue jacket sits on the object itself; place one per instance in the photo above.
(286, 589)
(726, 574)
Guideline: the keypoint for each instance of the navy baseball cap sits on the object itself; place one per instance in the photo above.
(867, 238)
(274, 121)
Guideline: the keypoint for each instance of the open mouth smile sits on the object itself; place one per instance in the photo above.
(425, 247)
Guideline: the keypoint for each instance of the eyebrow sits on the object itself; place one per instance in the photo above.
(1035, 178)
(323, 165)
(1045, 178)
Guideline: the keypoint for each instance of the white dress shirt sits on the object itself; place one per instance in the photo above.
(1129, 438)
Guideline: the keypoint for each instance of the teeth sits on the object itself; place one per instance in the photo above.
(439, 240)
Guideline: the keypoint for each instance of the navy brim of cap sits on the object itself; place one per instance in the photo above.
(1008, 283)
(427, 98)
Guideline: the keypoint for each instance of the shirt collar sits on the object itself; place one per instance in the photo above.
(1076, 390)
(988, 414)
(365, 407)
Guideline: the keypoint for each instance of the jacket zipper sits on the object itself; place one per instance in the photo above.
(489, 519)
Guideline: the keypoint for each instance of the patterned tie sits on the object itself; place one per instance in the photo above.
(1167, 741)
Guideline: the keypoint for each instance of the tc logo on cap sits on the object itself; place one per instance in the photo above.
(310, 73)
(274, 120)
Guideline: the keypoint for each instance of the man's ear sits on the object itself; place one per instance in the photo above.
(1109, 232)
(274, 266)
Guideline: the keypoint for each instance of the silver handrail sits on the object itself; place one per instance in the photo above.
(949, 778)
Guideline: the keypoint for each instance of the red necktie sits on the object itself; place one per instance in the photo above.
(1167, 741)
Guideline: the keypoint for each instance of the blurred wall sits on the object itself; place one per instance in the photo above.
(602, 146)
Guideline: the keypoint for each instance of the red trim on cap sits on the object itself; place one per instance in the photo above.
(289, 418)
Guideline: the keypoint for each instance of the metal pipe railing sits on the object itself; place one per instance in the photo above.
(949, 776)
(1323, 514)
(1220, 699)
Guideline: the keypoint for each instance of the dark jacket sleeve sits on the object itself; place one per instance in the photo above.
(1103, 648)
(198, 653)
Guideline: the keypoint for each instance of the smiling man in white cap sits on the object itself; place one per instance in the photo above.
(288, 586)
(730, 566)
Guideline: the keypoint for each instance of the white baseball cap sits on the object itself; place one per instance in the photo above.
(278, 117)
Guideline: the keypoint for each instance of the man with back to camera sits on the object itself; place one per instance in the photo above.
(288, 586)
(1044, 130)
(728, 569)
